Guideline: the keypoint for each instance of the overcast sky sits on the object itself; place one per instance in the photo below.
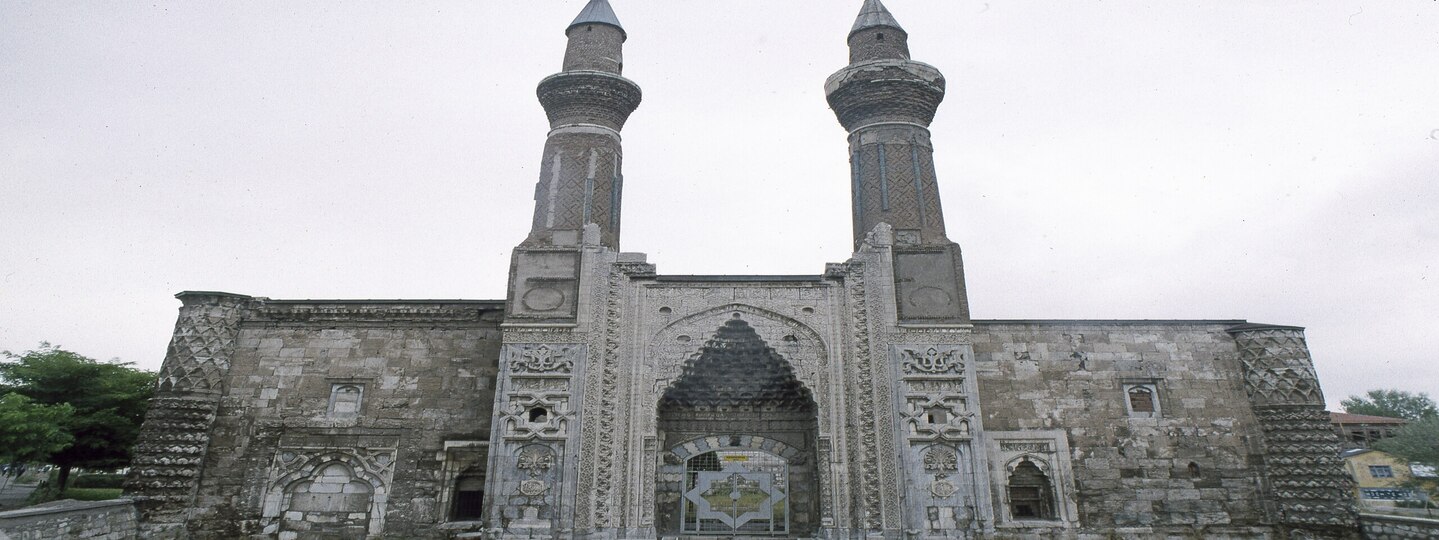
(1271, 161)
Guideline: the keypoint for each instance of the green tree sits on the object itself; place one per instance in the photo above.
(1393, 404)
(107, 399)
(30, 431)
(1417, 441)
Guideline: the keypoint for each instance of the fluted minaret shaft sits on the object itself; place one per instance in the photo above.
(587, 104)
(887, 101)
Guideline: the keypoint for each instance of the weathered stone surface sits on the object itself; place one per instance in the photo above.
(99, 520)
(373, 392)
(1383, 527)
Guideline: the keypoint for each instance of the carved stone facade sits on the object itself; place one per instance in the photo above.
(604, 400)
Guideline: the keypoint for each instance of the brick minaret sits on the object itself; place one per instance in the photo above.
(886, 102)
(587, 104)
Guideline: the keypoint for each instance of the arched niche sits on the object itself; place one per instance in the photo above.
(738, 399)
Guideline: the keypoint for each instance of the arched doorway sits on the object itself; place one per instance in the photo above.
(739, 432)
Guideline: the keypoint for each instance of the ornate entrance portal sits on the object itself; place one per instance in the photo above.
(740, 431)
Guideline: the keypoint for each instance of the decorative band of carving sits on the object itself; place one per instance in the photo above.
(333, 313)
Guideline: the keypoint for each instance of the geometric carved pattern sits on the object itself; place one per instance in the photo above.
(867, 437)
(1277, 368)
(596, 476)
(1304, 475)
(536, 417)
(169, 453)
(929, 418)
(199, 352)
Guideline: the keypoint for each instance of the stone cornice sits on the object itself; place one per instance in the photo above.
(376, 311)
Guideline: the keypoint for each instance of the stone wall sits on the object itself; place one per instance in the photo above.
(1382, 527)
(1186, 466)
(348, 418)
(100, 520)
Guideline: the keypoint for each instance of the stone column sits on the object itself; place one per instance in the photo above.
(1304, 479)
(169, 455)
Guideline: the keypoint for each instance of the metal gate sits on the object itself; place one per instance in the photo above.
(731, 492)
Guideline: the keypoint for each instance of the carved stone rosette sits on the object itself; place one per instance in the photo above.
(167, 460)
(1303, 474)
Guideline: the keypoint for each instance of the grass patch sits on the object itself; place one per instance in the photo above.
(93, 494)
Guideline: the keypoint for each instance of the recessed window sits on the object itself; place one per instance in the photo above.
(1194, 470)
(345, 399)
(1031, 496)
(539, 415)
(937, 416)
(469, 498)
(1141, 399)
(1381, 471)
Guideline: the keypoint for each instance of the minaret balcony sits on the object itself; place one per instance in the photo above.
(588, 97)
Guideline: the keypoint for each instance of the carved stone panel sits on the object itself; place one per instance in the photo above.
(546, 284)
(928, 286)
(543, 358)
(338, 491)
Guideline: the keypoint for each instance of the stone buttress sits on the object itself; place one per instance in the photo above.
(1307, 488)
(175, 438)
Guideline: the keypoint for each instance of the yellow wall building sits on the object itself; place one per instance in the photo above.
(1382, 479)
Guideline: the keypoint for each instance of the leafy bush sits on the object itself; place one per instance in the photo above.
(108, 481)
(93, 494)
(48, 490)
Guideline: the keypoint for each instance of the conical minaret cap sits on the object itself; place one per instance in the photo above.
(872, 15)
(597, 12)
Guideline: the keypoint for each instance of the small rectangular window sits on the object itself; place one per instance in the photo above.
(469, 498)
(1141, 399)
(1381, 471)
(345, 399)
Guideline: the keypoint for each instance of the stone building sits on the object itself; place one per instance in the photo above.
(603, 399)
